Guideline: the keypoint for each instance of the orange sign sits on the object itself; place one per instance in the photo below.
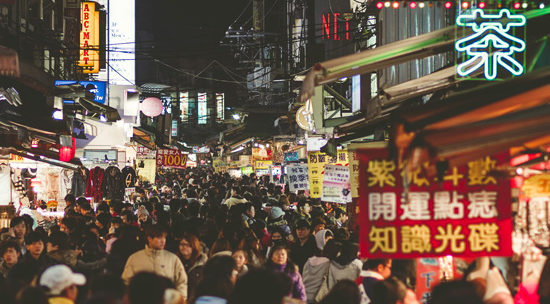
(89, 38)
(171, 158)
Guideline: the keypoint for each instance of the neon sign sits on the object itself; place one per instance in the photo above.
(491, 45)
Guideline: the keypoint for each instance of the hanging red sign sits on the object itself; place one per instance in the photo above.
(171, 158)
(468, 214)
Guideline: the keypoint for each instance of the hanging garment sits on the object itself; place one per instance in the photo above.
(112, 183)
(93, 185)
(78, 185)
(65, 183)
(5, 184)
(129, 177)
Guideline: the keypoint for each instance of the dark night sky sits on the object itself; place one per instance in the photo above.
(191, 26)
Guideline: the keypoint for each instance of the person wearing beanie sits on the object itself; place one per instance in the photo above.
(276, 219)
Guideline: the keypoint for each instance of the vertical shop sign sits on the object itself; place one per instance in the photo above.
(316, 165)
(89, 37)
(203, 109)
(467, 214)
(298, 177)
(336, 187)
(184, 107)
(220, 107)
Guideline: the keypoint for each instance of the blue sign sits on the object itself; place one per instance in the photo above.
(291, 156)
(98, 88)
(493, 43)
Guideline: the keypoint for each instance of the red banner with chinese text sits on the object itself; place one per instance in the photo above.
(171, 158)
(466, 215)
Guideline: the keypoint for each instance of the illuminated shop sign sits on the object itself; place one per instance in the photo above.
(98, 88)
(203, 110)
(335, 26)
(220, 104)
(184, 107)
(89, 38)
(496, 46)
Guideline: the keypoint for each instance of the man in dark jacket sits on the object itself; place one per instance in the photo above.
(374, 270)
(304, 248)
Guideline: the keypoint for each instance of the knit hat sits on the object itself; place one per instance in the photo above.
(276, 212)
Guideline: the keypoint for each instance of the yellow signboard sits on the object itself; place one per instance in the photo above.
(537, 186)
(263, 164)
(89, 38)
(316, 165)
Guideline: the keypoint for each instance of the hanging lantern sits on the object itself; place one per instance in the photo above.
(67, 150)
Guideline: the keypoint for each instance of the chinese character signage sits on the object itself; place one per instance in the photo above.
(467, 214)
(316, 164)
(220, 107)
(336, 187)
(203, 110)
(220, 166)
(184, 107)
(297, 177)
(171, 158)
(262, 164)
(496, 47)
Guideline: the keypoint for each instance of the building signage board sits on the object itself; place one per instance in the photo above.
(336, 186)
(98, 88)
(298, 178)
(496, 47)
(122, 46)
(171, 158)
(316, 167)
(468, 214)
(203, 109)
(220, 107)
(89, 38)
(184, 107)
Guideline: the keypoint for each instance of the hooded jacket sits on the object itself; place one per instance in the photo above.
(298, 290)
(160, 262)
(313, 274)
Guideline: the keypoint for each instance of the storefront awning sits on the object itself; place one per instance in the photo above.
(402, 51)
(145, 138)
(37, 157)
(481, 121)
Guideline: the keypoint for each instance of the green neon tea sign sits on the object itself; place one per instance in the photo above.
(494, 46)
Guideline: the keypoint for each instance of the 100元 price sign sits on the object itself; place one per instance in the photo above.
(171, 158)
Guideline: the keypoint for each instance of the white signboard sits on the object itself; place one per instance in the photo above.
(122, 47)
(298, 177)
(336, 185)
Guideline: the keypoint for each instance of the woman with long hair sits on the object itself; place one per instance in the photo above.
(278, 261)
(191, 255)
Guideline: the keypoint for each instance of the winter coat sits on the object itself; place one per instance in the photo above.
(93, 185)
(160, 262)
(314, 271)
(67, 257)
(339, 272)
(112, 185)
(298, 290)
(300, 254)
(194, 275)
(78, 183)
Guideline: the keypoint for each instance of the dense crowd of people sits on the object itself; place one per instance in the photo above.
(197, 237)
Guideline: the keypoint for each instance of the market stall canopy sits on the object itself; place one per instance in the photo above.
(402, 51)
(145, 138)
(484, 120)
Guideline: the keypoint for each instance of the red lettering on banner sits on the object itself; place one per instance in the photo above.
(171, 158)
(86, 35)
(86, 24)
(326, 27)
(86, 8)
(466, 214)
